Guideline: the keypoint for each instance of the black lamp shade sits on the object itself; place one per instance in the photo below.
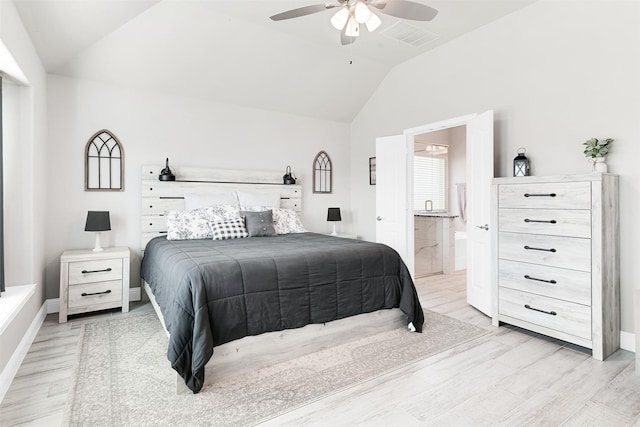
(98, 221)
(333, 214)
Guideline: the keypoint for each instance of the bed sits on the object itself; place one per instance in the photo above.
(212, 292)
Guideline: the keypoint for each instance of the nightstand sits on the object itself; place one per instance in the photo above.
(91, 281)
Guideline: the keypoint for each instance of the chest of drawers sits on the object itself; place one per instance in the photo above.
(555, 258)
(91, 281)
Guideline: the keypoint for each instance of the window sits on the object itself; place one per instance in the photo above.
(429, 183)
(104, 163)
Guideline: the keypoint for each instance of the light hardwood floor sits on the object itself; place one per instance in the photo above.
(509, 378)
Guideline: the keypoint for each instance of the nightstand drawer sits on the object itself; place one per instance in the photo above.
(570, 318)
(556, 195)
(95, 271)
(95, 296)
(556, 222)
(568, 285)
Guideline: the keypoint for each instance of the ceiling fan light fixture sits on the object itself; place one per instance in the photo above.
(373, 22)
(361, 12)
(340, 19)
(353, 28)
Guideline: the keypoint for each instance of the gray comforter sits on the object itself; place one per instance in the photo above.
(212, 292)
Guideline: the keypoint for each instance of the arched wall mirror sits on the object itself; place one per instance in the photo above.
(104, 163)
(322, 173)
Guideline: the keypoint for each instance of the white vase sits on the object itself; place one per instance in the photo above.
(598, 165)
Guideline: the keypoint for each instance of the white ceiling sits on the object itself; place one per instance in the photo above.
(230, 51)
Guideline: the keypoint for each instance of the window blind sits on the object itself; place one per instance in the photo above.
(429, 182)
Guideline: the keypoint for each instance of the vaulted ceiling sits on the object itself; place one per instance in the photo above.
(231, 52)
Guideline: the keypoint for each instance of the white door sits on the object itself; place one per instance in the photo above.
(392, 189)
(479, 176)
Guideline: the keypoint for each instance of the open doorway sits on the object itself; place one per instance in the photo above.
(439, 201)
(394, 198)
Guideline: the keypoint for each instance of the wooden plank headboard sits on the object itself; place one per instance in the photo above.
(161, 196)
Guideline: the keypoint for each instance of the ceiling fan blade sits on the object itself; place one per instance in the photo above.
(302, 11)
(406, 9)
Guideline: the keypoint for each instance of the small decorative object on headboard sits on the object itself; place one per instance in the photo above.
(289, 178)
(166, 174)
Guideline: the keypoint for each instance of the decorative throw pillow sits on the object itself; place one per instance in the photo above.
(230, 229)
(270, 199)
(286, 221)
(259, 224)
(185, 225)
(223, 212)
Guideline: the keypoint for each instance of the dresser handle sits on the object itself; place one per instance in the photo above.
(529, 248)
(84, 294)
(553, 282)
(96, 271)
(552, 221)
(552, 313)
(539, 195)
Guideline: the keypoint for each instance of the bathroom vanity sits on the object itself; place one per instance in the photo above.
(434, 243)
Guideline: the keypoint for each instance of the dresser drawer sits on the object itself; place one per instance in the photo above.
(95, 296)
(95, 271)
(571, 223)
(568, 285)
(573, 319)
(561, 195)
(564, 252)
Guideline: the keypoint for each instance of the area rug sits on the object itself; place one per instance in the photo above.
(124, 379)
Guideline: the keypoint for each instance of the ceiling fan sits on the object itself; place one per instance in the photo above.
(352, 13)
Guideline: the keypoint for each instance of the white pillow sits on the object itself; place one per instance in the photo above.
(197, 201)
(270, 199)
(186, 225)
(286, 221)
(223, 212)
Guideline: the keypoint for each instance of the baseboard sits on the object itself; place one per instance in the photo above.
(53, 304)
(628, 341)
(11, 369)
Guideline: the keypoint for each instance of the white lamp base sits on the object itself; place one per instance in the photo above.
(334, 233)
(97, 247)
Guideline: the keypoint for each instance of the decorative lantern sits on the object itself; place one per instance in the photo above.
(521, 164)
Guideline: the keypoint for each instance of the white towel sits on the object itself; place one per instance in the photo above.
(462, 200)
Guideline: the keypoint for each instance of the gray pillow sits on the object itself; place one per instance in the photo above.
(259, 224)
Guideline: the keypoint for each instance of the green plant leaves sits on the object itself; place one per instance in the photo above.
(596, 148)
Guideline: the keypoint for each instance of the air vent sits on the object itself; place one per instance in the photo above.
(407, 33)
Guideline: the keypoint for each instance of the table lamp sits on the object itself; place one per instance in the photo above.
(97, 221)
(333, 214)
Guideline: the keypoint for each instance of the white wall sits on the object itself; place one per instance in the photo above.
(556, 73)
(25, 160)
(191, 132)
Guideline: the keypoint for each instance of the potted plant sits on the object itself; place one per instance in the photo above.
(596, 151)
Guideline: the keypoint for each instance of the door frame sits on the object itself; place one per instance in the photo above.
(410, 136)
